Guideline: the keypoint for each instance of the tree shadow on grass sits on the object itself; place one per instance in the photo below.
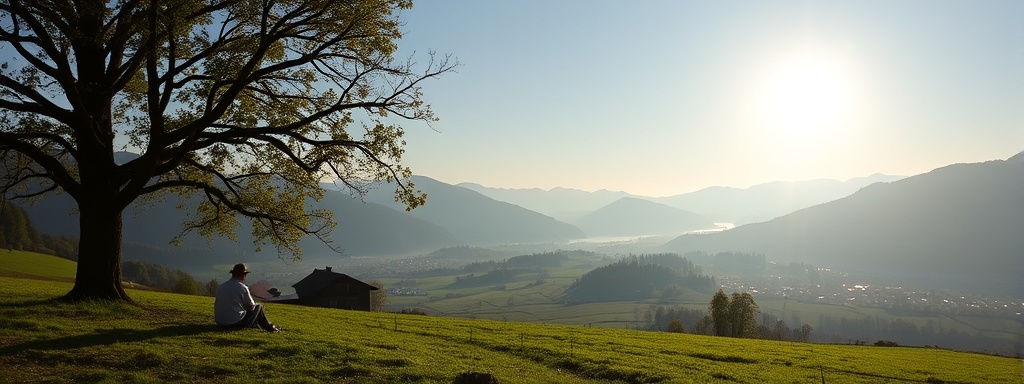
(28, 303)
(109, 337)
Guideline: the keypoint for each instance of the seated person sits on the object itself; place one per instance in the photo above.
(234, 306)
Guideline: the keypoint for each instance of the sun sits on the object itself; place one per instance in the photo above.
(804, 99)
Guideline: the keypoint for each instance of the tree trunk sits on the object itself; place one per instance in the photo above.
(99, 205)
(99, 252)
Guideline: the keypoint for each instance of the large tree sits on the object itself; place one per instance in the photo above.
(245, 105)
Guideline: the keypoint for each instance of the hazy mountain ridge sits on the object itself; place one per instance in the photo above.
(766, 201)
(958, 224)
(366, 228)
(564, 204)
(719, 204)
(477, 219)
(630, 216)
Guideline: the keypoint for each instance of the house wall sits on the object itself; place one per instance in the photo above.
(341, 294)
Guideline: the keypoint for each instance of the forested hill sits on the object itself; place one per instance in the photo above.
(959, 224)
(17, 232)
(640, 277)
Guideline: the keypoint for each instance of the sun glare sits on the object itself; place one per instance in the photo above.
(804, 99)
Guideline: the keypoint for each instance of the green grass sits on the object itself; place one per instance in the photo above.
(20, 263)
(171, 338)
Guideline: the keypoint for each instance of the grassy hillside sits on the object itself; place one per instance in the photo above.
(19, 263)
(171, 338)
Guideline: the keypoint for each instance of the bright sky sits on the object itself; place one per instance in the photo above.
(661, 97)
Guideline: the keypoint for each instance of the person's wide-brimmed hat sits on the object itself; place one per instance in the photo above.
(239, 269)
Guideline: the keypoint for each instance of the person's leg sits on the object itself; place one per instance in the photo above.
(256, 318)
(250, 318)
(262, 321)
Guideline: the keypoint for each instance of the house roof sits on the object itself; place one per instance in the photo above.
(321, 278)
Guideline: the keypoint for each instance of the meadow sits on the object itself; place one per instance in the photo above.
(527, 301)
(171, 338)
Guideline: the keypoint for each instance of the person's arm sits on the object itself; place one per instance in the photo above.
(247, 300)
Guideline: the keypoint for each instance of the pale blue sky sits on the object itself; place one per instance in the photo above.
(666, 97)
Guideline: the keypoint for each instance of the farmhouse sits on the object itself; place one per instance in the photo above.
(328, 289)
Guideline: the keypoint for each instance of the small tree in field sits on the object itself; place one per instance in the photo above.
(736, 317)
(245, 104)
(720, 316)
(676, 326)
(743, 313)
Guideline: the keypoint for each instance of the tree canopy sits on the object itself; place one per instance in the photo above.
(638, 277)
(736, 317)
(247, 104)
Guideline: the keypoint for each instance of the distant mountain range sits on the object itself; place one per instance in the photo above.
(767, 201)
(962, 225)
(718, 204)
(564, 204)
(477, 219)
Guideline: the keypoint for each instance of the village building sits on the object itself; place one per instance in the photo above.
(329, 289)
